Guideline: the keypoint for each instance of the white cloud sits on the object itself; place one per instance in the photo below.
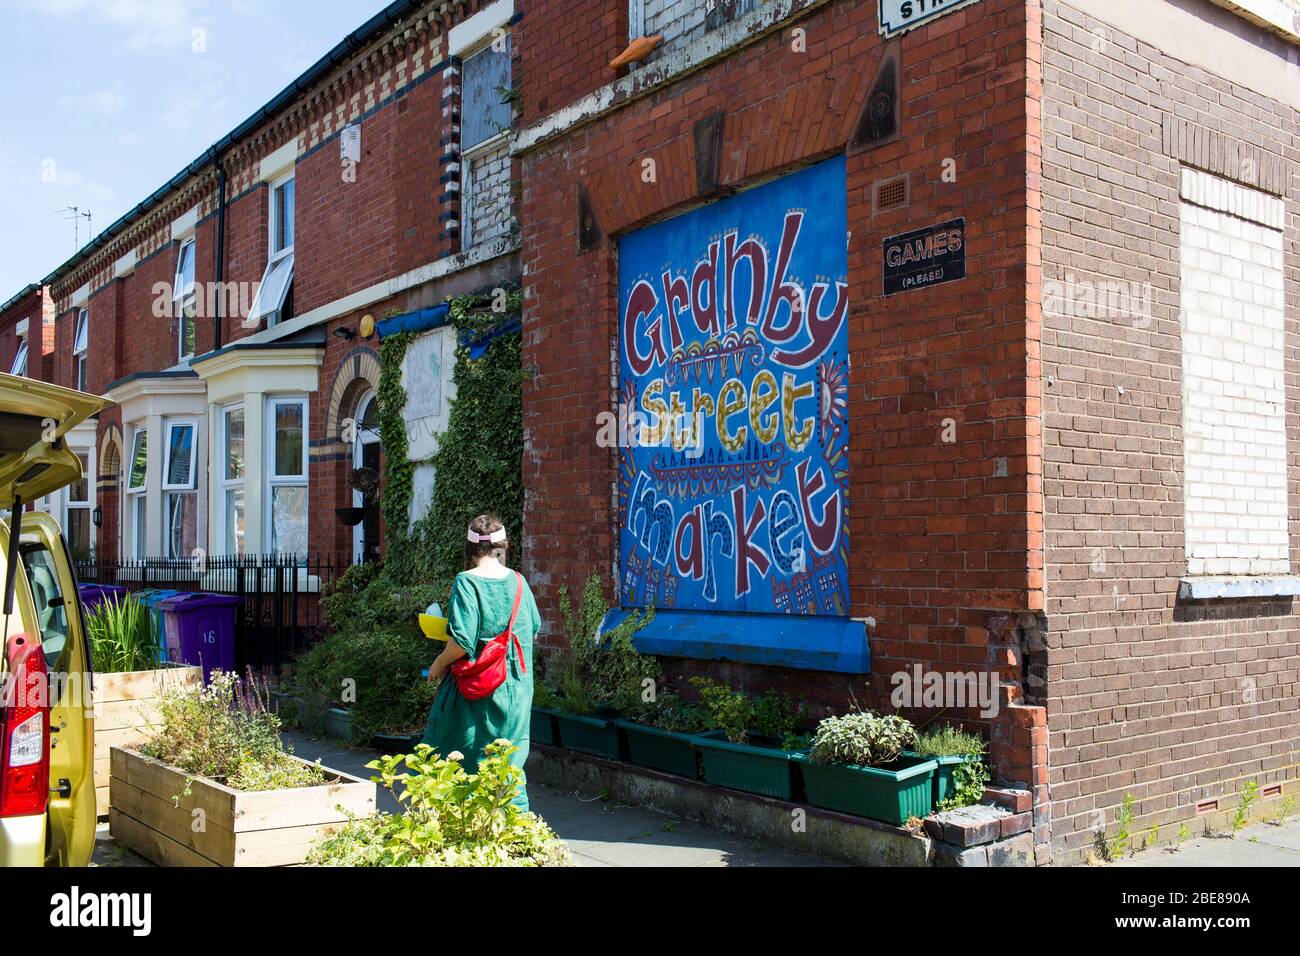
(147, 24)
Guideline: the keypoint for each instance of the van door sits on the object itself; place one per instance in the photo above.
(52, 582)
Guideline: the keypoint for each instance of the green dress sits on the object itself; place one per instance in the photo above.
(480, 610)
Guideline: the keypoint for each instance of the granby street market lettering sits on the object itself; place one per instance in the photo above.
(734, 354)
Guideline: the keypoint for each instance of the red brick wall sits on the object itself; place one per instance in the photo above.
(945, 537)
(563, 49)
(33, 307)
(1173, 702)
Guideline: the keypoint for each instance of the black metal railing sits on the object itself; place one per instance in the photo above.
(279, 613)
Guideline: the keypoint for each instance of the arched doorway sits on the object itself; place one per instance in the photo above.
(366, 454)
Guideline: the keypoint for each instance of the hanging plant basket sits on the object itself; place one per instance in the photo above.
(351, 516)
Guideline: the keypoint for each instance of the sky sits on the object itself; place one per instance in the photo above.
(105, 100)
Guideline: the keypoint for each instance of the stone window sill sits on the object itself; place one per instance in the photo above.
(1219, 587)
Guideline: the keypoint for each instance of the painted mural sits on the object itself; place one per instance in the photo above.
(734, 432)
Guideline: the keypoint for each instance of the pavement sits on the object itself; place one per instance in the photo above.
(598, 832)
(1261, 844)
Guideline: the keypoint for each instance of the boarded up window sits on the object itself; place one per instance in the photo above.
(485, 107)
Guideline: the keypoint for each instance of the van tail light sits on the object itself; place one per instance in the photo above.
(24, 731)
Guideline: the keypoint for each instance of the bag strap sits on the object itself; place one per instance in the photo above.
(514, 612)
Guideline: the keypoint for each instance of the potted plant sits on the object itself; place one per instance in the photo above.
(130, 676)
(857, 765)
(660, 735)
(580, 723)
(542, 724)
(217, 755)
(752, 741)
(365, 481)
(960, 775)
(600, 674)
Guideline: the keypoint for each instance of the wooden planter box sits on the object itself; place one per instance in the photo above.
(126, 711)
(153, 815)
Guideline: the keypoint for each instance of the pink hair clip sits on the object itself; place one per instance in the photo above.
(496, 537)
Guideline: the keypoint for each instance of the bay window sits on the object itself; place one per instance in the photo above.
(138, 506)
(232, 480)
(180, 497)
(286, 475)
(77, 508)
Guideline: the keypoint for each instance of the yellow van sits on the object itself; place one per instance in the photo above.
(47, 732)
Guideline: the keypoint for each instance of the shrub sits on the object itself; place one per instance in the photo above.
(670, 711)
(601, 669)
(376, 673)
(728, 710)
(122, 636)
(364, 598)
(772, 716)
(861, 738)
(949, 741)
(371, 661)
(225, 732)
(452, 818)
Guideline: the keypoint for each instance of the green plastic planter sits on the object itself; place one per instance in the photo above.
(541, 727)
(589, 735)
(763, 770)
(665, 750)
(945, 786)
(394, 744)
(338, 724)
(890, 794)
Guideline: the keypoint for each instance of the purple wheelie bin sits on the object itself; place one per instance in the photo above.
(93, 595)
(201, 630)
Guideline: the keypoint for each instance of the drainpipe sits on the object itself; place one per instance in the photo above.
(221, 249)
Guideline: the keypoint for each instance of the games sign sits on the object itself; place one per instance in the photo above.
(733, 356)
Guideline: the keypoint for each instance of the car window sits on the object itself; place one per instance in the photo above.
(42, 575)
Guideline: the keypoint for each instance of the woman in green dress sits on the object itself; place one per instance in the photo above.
(481, 600)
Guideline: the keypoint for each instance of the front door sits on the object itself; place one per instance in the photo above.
(365, 454)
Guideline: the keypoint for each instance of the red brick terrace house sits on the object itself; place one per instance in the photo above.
(957, 343)
(231, 313)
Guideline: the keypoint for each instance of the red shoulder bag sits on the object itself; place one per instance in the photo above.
(480, 677)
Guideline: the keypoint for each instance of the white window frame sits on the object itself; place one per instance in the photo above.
(80, 345)
(137, 431)
(184, 293)
(135, 495)
(271, 478)
(473, 154)
(88, 505)
(635, 19)
(275, 257)
(169, 426)
(19, 366)
(228, 484)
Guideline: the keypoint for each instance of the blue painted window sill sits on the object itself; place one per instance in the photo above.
(775, 640)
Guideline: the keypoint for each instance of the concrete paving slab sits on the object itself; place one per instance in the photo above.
(1259, 845)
